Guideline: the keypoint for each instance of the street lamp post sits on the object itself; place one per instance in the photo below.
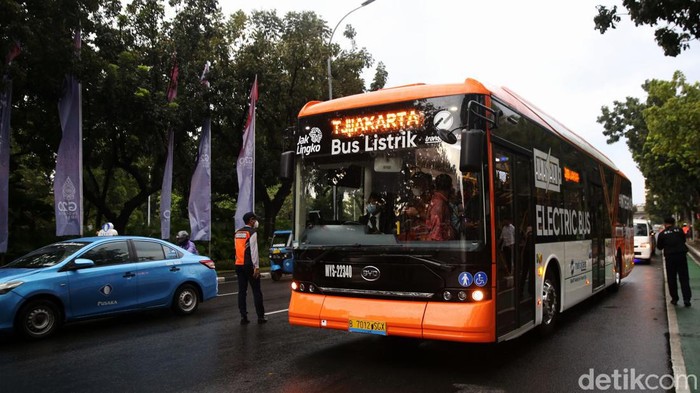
(330, 52)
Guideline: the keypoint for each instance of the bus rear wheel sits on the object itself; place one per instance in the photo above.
(550, 304)
(618, 273)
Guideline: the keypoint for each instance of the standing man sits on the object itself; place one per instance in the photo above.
(248, 267)
(672, 242)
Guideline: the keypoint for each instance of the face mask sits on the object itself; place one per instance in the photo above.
(416, 191)
(371, 208)
(256, 224)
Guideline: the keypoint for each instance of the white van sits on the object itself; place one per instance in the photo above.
(644, 241)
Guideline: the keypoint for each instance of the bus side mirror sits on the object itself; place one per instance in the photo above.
(472, 146)
(287, 165)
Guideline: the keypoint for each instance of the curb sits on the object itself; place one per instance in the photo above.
(674, 337)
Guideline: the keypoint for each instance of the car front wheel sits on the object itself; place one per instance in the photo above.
(186, 300)
(38, 319)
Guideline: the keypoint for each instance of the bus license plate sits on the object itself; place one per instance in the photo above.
(338, 271)
(365, 326)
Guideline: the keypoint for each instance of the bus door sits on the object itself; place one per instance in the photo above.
(515, 255)
(598, 222)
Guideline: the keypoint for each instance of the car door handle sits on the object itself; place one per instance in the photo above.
(129, 275)
(174, 269)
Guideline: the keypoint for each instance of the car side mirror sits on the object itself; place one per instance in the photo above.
(82, 263)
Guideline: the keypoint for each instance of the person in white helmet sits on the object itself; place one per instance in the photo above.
(107, 230)
(183, 240)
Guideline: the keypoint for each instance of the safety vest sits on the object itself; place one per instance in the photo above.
(242, 244)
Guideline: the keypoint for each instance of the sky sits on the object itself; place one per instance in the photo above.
(547, 51)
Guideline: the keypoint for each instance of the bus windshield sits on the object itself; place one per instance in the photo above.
(398, 188)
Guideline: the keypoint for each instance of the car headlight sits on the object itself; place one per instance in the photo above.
(6, 287)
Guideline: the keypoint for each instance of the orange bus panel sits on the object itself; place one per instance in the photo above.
(473, 322)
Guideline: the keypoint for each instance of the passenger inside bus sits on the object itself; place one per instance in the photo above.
(377, 218)
(439, 219)
(414, 212)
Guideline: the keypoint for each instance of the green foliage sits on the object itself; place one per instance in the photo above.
(380, 77)
(127, 54)
(662, 135)
(678, 21)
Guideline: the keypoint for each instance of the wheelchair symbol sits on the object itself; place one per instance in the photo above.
(480, 279)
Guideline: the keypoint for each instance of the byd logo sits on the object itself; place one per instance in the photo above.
(370, 273)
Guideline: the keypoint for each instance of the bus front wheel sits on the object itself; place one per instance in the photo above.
(550, 304)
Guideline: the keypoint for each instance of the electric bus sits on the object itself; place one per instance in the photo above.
(500, 218)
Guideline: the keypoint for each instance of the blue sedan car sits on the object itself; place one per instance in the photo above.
(100, 276)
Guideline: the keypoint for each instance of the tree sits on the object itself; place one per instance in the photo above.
(126, 58)
(679, 20)
(662, 136)
(380, 77)
(288, 56)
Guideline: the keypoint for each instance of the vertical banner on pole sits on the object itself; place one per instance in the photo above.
(68, 181)
(167, 185)
(199, 205)
(166, 190)
(245, 167)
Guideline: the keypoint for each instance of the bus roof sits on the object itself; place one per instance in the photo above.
(469, 86)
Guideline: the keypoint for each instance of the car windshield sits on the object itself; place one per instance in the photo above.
(640, 230)
(46, 256)
(281, 239)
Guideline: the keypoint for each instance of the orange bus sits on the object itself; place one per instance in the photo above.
(453, 212)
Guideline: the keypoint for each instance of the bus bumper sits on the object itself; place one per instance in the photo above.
(465, 322)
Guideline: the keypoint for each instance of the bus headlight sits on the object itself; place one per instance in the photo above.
(462, 296)
(447, 295)
(478, 295)
(294, 285)
(6, 287)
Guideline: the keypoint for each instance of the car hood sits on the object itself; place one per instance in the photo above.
(9, 274)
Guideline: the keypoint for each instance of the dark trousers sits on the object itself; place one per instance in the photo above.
(677, 266)
(245, 276)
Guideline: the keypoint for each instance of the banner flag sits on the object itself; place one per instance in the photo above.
(166, 190)
(5, 110)
(68, 179)
(246, 162)
(199, 205)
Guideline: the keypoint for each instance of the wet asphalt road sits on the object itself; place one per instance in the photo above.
(211, 352)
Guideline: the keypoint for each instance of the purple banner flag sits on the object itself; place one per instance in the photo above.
(199, 205)
(166, 190)
(167, 185)
(68, 181)
(5, 108)
(246, 162)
